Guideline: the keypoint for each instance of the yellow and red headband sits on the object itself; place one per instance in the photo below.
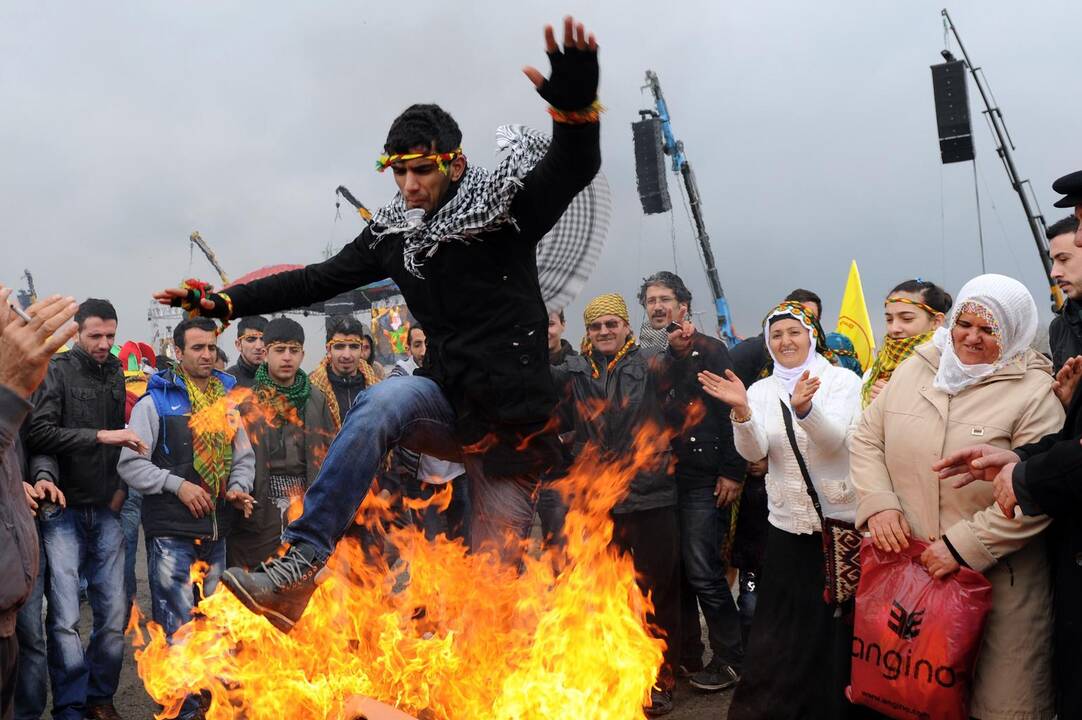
(442, 160)
(345, 339)
(910, 301)
(288, 344)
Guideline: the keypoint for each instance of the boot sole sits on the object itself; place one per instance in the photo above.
(275, 618)
(712, 687)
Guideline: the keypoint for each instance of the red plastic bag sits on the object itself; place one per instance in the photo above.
(916, 639)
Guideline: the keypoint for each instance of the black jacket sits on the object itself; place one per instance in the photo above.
(1049, 480)
(561, 355)
(242, 371)
(479, 303)
(79, 398)
(346, 389)
(705, 451)
(1065, 334)
(750, 357)
(632, 396)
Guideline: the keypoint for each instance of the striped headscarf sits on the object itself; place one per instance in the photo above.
(600, 306)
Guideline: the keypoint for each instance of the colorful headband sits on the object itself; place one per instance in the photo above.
(792, 307)
(345, 339)
(251, 335)
(442, 160)
(909, 301)
(292, 344)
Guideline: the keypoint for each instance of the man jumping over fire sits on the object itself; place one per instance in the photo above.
(460, 243)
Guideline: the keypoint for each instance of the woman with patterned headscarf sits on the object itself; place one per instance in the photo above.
(796, 664)
(977, 382)
(913, 311)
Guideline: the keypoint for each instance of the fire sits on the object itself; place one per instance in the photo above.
(564, 636)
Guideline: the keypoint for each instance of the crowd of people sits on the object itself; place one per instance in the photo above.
(960, 434)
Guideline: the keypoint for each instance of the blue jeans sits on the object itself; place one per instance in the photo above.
(172, 594)
(130, 514)
(410, 411)
(89, 536)
(703, 527)
(32, 682)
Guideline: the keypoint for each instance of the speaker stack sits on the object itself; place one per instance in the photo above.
(650, 166)
(952, 112)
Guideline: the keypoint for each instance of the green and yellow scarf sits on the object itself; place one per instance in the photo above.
(212, 433)
(889, 358)
(296, 394)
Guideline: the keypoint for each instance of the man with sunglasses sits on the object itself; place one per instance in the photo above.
(460, 242)
(250, 348)
(615, 397)
(343, 374)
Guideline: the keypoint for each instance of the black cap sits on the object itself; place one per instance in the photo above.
(283, 330)
(1071, 186)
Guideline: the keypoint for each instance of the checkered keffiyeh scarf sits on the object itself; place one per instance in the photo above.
(212, 433)
(889, 358)
(565, 256)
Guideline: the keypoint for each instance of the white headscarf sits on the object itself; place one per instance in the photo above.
(789, 377)
(1015, 314)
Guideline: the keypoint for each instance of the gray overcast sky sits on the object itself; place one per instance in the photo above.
(126, 125)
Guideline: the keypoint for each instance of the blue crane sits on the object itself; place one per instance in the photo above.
(675, 150)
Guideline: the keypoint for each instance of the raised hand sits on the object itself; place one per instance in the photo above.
(1067, 380)
(805, 390)
(572, 84)
(25, 348)
(207, 305)
(728, 389)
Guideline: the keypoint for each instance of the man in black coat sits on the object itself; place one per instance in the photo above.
(709, 478)
(1065, 332)
(79, 419)
(460, 242)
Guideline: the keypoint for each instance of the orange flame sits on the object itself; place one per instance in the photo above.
(564, 636)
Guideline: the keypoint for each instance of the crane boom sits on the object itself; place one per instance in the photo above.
(680, 164)
(196, 239)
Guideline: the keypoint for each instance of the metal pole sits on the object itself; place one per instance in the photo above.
(995, 117)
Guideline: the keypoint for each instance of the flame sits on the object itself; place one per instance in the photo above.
(563, 636)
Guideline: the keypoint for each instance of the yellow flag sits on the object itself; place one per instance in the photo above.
(853, 320)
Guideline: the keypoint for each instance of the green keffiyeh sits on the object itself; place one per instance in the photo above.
(296, 394)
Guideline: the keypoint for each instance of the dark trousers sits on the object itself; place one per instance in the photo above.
(454, 522)
(703, 527)
(652, 539)
(552, 511)
(9, 669)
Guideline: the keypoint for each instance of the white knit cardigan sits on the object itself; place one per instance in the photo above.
(823, 438)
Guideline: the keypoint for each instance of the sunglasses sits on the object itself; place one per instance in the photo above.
(607, 325)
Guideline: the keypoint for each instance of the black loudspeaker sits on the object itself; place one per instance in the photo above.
(650, 166)
(952, 111)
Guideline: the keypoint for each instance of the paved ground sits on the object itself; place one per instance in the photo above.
(134, 704)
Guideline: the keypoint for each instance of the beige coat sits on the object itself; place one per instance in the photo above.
(903, 432)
